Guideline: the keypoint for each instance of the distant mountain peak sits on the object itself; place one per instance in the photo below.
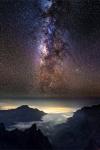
(23, 107)
(22, 113)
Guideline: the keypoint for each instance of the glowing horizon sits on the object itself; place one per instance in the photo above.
(49, 109)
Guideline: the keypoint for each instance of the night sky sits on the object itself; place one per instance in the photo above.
(50, 48)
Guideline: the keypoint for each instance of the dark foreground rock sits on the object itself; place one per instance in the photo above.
(81, 132)
(29, 139)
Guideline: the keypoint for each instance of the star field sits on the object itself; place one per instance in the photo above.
(50, 48)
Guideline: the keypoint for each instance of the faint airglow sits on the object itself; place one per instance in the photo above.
(58, 109)
(8, 107)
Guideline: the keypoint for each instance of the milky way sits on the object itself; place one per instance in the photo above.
(53, 53)
(50, 47)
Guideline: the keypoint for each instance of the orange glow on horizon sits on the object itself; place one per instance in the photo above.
(49, 109)
(8, 107)
(57, 109)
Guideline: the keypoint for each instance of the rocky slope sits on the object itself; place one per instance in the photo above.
(81, 132)
(29, 139)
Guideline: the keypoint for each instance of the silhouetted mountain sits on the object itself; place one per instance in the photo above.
(20, 114)
(80, 132)
(29, 139)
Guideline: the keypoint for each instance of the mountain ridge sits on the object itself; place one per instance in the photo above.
(80, 132)
(22, 113)
(29, 139)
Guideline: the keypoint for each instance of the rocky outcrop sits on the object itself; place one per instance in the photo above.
(81, 132)
(29, 139)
